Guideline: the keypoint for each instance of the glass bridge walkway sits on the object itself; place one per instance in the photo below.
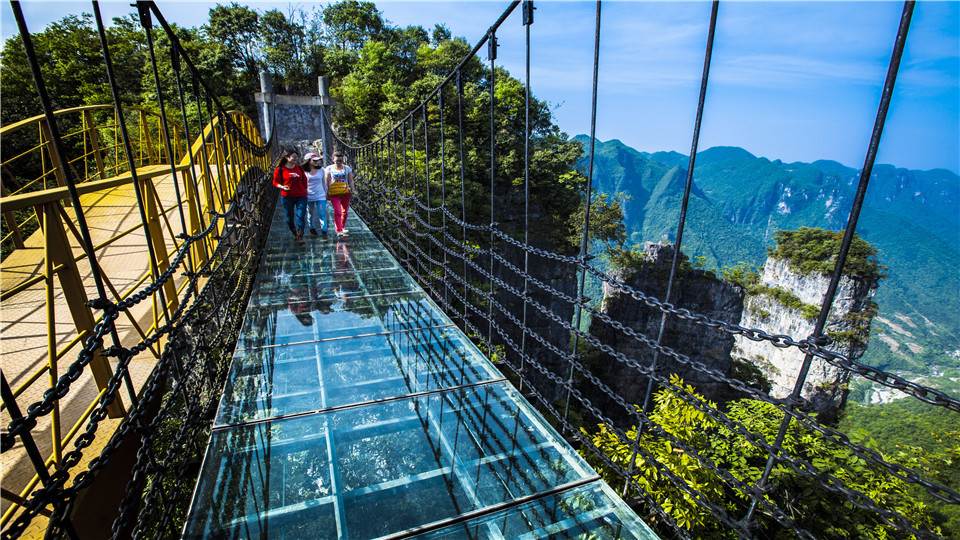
(355, 408)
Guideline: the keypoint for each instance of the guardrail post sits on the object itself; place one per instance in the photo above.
(46, 139)
(12, 223)
(75, 295)
(149, 192)
(326, 137)
(147, 138)
(94, 136)
(266, 87)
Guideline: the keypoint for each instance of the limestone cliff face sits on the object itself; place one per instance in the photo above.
(784, 303)
(848, 325)
(695, 290)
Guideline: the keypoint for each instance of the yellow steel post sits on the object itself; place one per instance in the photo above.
(52, 340)
(46, 139)
(94, 137)
(205, 170)
(193, 208)
(147, 138)
(149, 192)
(234, 163)
(75, 295)
(12, 222)
(219, 152)
(203, 157)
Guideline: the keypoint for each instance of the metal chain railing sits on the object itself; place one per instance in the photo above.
(491, 292)
(199, 334)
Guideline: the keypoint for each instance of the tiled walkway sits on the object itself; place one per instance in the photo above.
(356, 409)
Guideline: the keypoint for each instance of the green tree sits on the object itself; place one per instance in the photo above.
(439, 34)
(284, 42)
(350, 24)
(815, 250)
(71, 61)
(803, 497)
(606, 223)
(238, 29)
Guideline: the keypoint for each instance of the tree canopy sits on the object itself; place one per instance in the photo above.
(810, 250)
(809, 503)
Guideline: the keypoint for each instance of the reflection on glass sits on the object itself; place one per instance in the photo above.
(306, 287)
(588, 511)
(339, 317)
(414, 461)
(276, 381)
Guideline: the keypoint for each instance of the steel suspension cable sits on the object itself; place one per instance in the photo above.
(175, 62)
(585, 244)
(216, 131)
(527, 22)
(426, 176)
(443, 203)
(677, 254)
(492, 55)
(463, 188)
(681, 222)
(128, 150)
(208, 187)
(175, 42)
(406, 190)
(147, 24)
(888, 86)
(95, 270)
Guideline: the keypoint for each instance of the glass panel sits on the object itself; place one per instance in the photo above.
(302, 321)
(590, 511)
(307, 287)
(275, 381)
(415, 461)
(266, 478)
(319, 255)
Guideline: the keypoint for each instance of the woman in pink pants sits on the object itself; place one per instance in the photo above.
(339, 178)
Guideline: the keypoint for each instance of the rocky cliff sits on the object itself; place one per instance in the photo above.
(695, 290)
(787, 302)
(784, 302)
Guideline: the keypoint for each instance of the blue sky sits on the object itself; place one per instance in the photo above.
(797, 81)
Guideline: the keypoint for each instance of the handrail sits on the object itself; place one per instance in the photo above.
(9, 128)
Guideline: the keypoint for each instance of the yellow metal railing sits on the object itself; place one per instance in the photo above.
(46, 273)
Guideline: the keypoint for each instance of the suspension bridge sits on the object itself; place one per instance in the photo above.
(423, 376)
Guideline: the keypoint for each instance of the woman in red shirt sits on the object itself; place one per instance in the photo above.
(292, 180)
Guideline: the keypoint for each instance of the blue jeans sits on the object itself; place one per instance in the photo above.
(317, 211)
(296, 208)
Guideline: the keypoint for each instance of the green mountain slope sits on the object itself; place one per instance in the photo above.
(738, 201)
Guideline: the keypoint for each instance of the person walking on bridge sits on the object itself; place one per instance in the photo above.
(339, 177)
(316, 194)
(292, 180)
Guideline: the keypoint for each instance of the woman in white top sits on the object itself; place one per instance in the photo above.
(339, 177)
(316, 194)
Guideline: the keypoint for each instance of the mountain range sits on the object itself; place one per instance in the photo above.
(738, 201)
